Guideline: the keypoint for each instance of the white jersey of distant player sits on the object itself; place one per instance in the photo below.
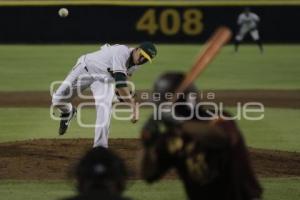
(248, 23)
(109, 59)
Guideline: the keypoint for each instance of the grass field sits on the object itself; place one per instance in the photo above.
(28, 67)
(34, 67)
(275, 189)
(30, 123)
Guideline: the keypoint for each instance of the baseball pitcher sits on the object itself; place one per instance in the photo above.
(103, 71)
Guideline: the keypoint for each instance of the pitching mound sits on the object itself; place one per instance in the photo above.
(52, 159)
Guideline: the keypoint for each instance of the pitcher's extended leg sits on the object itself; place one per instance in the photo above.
(103, 94)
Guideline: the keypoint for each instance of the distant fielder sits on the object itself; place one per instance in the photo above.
(102, 71)
(248, 23)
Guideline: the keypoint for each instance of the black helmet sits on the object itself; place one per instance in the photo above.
(165, 86)
(101, 169)
(169, 82)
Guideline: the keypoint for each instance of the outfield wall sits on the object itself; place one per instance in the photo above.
(88, 22)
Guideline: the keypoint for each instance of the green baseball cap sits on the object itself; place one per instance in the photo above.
(148, 50)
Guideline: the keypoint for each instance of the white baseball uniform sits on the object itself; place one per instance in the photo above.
(248, 24)
(95, 70)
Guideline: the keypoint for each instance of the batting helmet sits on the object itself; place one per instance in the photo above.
(166, 85)
(101, 169)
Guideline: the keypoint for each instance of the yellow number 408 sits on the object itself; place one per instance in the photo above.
(170, 22)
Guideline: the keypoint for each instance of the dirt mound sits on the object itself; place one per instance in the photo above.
(51, 159)
(271, 163)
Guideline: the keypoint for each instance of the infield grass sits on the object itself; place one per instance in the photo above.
(278, 130)
(34, 67)
(275, 189)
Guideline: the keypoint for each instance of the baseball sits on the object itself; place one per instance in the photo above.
(63, 12)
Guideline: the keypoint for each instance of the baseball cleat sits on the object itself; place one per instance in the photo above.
(65, 121)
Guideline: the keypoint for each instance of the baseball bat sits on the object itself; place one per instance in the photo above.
(212, 47)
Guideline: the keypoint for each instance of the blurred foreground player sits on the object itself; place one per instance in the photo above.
(248, 23)
(210, 155)
(100, 174)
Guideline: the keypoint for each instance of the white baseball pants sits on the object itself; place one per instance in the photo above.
(103, 92)
(246, 29)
